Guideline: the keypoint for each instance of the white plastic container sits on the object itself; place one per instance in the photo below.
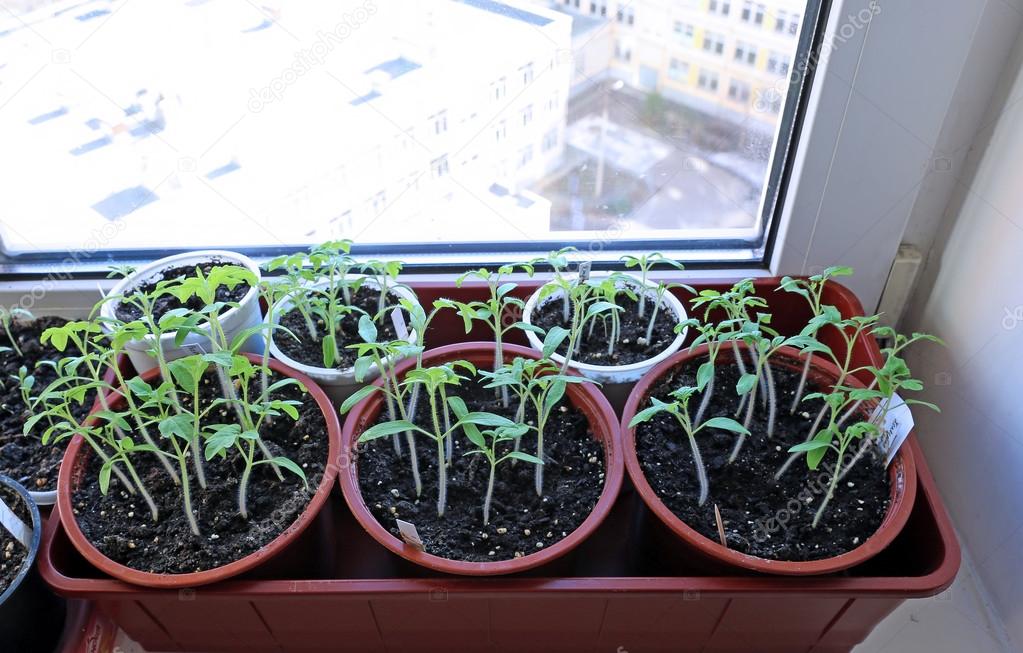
(612, 374)
(337, 383)
(233, 320)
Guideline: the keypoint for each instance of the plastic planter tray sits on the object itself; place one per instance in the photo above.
(628, 588)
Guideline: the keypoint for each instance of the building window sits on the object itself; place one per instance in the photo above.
(794, 24)
(440, 123)
(678, 69)
(527, 74)
(747, 11)
(708, 80)
(526, 155)
(778, 64)
(713, 42)
(738, 91)
(720, 7)
(684, 32)
(379, 202)
(780, 20)
(758, 16)
(745, 53)
(623, 52)
(439, 166)
(550, 140)
(501, 131)
(499, 89)
(626, 14)
(527, 115)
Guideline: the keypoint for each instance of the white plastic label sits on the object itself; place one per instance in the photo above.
(193, 348)
(409, 534)
(19, 529)
(898, 424)
(584, 271)
(398, 318)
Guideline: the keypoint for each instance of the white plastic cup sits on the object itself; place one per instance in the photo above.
(611, 374)
(234, 320)
(339, 384)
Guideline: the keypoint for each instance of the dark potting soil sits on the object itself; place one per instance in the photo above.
(23, 457)
(309, 350)
(129, 312)
(121, 527)
(761, 517)
(520, 521)
(12, 552)
(632, 346)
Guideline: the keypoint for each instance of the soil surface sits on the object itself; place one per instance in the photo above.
(12, 553)
(129, 312)
(121, 527)
(761, 517)
(23, 457)
(520, 521)
(309, 350)
(632, 346)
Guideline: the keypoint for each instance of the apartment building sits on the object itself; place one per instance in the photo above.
(729, 58)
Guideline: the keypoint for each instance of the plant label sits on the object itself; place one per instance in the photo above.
(898, 424)
(19, 529)
(584, 271)
(398, 318)
(193, 348)
(409, 534)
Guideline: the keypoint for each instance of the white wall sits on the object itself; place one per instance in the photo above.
(971, 288)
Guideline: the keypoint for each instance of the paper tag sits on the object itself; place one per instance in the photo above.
(398, 318)
(584, 271)
(898, 424)
(19, 529)
(409, 534)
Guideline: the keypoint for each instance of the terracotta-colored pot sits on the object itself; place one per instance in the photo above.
(901, 475)
(586, 397)
(72, 472)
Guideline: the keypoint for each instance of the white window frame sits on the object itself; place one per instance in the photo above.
(870, 134)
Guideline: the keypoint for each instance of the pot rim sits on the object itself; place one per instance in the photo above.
(581, 393)
(193, 579)
(142, 275)
(901, 474)
(672, 301)
(37, 532)
(338, 374)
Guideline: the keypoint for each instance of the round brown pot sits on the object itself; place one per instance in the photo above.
(585, 397)
(72, 473)
(901, 476)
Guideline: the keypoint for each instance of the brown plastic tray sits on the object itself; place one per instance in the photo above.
(627, 589)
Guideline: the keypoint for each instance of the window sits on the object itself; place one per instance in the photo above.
(440, 123)
(708, 80)
(527, 74)
(678, 69)
(758, 15)
(526, 155)
(550, 140)
(713, 42)
(745, 53)
(623, 52)
(780, 20)
(684, 32)
(778, 64)
(388, 132)
(720, 7)
(439, 166)
(738, 91)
